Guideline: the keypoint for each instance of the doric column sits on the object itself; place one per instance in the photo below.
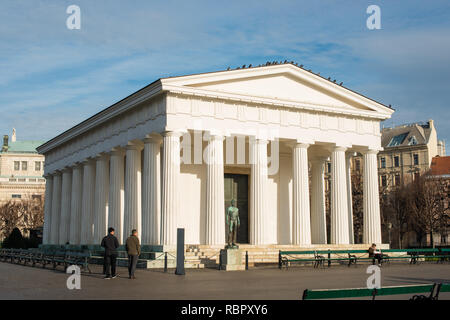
(87, 215)
(76, 203)
(339, 207)
(348, 168)
(372, 221)
(215, 214)
(47, 209)
(258, 190)
(318, 214)
(133, 205)
(151, 191)
(301, 233)
(101, 197)
(66, 192)
(116, 192)
(56, 208)
(169, 192)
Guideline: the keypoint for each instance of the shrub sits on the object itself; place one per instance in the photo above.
(15, 240)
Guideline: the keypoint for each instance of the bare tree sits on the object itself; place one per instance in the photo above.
(426, 206)
(396, 211)
(357, 205)
(24, 214)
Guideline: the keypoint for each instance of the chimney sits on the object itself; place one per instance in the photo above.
(431, 123)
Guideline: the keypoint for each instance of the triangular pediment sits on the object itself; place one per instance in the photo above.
(281, 82)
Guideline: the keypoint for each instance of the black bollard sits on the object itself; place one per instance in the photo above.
(180, 252)
(329, 258)
(165, 261)
(246, 260)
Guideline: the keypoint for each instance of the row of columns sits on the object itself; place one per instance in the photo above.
(309, 226)
(83, 201)
(86, 199)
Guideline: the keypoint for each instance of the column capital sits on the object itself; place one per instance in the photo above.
(56, 172)
(339, 148)
(66, 169)
(370, 151)
(298, 144)
(117, 151)
(48, 176)
(301, 145)
(153, 138)
(176, 134)
(102, 156)
(88, 161)
(133, 147)
(213, 136)
(77, 165)
(256, 140)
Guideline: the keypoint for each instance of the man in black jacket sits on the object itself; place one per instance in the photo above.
(110, 243)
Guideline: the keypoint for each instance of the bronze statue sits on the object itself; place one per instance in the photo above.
(233, 224)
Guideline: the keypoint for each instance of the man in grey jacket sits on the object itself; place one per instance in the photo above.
(133, 251)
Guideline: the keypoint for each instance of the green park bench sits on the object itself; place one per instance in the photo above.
(47, 257)
(314, 294)
(319, 257)
(414, 255)
(78, 258)
(442, 287)
(352, 257)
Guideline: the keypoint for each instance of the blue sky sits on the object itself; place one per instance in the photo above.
(51, 78)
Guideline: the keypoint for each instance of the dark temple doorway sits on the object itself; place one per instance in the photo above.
(236, 187)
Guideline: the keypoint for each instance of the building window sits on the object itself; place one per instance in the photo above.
(37, 166)
(416, 159)
(396, 161)
(328, 167)
(383, 181)
(17, 165)
(397, 179)
(383, 162)
(16, 196)
(24, 165)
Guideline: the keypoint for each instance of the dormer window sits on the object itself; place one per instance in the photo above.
(412, 141)
(397, 140)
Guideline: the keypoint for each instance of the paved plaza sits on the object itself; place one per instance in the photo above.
(25, 282)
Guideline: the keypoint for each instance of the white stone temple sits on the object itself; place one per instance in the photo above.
(174, 154)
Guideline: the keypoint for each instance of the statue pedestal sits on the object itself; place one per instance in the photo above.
(231, 259)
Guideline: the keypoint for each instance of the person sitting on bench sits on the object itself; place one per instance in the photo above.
(375, 254)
